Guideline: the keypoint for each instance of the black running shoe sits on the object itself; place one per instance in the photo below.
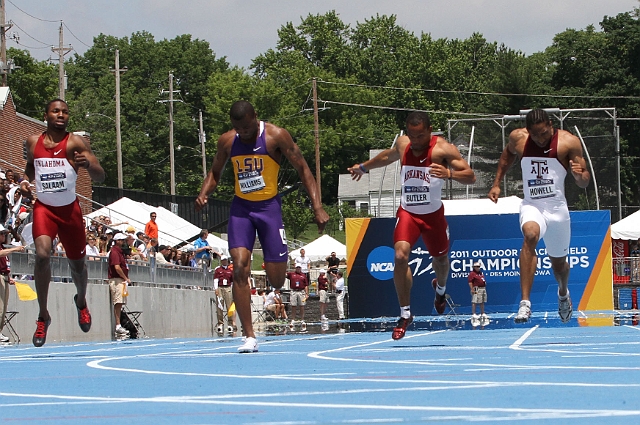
(40, 336)
(84, 317)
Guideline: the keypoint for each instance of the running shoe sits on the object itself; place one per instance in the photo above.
(220, 329)
(84, 317)
(565, 309)
(524, 312)
(121, 332)
(401, 327)
(4, 338)
(440, 301)
(40, 335)
(250, 346)
(303, 326)
(230, 329)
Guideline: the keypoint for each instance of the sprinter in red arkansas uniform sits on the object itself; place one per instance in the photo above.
(427, 162)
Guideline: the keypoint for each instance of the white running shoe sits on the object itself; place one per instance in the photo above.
(250, 346)
(565, 309)
(120, 331)
(230, 329)
(323, 318)
(220, 329)
(475, 317)
(4, 338)
(524, 312)
(484, 319)
(303, 326)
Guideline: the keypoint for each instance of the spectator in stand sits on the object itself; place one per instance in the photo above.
(273, 302)
(323, 291)
(92, 249)
(10, 178)
(333, 263)
(110, 242)
(140, 245)
(178, 257)
(118, 275)
(204, 251)
(635, 262)
(151, 228)
(162, 255)
(152, 247)
(305, 263)
(5, 278)
(222, 281)
(102, 245)
(340, 293)
(299, 294)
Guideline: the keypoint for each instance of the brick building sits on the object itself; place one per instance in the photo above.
(14, 130)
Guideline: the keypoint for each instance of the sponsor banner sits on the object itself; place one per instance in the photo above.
(493, 240)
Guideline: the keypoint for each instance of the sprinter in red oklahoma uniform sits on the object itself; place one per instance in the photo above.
(427, 162)
(53, 160)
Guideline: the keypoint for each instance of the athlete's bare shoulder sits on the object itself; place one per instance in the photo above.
(517, 139)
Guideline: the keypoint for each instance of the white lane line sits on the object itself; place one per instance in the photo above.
(516, 413)
(516, 345)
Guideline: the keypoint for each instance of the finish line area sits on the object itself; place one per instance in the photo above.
(352, 373)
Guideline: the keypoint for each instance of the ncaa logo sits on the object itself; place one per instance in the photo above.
(380, 263)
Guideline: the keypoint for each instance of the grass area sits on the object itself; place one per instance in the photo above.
(311, 234)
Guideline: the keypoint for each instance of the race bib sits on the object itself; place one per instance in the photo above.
(250, 181)
(541, 188)
(417, 195)
(53, 182)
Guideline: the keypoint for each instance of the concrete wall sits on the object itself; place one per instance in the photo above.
(166, 313)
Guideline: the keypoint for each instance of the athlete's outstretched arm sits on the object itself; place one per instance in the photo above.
(386, 157)
(507, 158)
(217, 166)
(292, 152)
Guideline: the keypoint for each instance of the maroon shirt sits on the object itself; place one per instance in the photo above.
(4, 265)
(298, 281)
(222, 274)
(116, 258)
(477, 279)
(323, 283)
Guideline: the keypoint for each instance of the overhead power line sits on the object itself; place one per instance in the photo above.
(30, 15)
(559, 96)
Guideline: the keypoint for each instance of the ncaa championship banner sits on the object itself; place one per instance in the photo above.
(493, 240)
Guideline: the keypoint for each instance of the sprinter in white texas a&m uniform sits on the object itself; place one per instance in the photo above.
(427, 162)
(546, 155)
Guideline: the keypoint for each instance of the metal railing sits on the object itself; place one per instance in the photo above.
(626, 270)
(148, 273)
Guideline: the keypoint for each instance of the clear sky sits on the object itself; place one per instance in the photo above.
(242, 29)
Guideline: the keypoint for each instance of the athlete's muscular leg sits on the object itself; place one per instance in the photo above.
(528, 257)
(80, 275)
(402, 277)
(560, 268)
(441, 268)
(241, 287)
(42, 273)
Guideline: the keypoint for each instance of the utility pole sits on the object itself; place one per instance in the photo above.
(174, 206)
(203, 138)
(61, 51)
(316, 135)
(5, 66)
(117, 70)
(171, 153)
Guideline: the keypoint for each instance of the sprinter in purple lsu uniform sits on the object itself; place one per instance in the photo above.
(255, 149)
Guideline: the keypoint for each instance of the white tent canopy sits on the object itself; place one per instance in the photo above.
(321, 248)
(172, 229)
(628, 228)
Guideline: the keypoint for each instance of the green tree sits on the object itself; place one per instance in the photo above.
(33, 84)
(296, 215)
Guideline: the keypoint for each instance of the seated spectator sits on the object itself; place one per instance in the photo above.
(140, 245)
(92, 249)
(162, 255)
(273, 303)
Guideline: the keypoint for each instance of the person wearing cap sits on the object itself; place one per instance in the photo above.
(323, 291)
(204, 251)
(5, 278)
(478, 286)
(161, 255)
(140, 245)
(53, 160)
(118, 275)
(299, 294)
(222, 281)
